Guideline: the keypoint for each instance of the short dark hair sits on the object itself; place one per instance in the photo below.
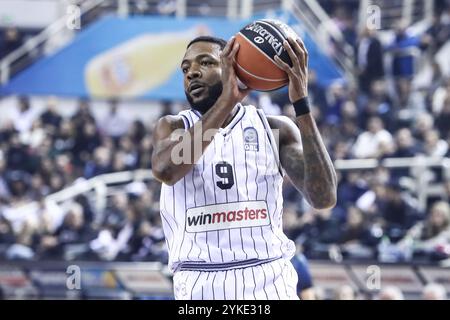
(222, 43)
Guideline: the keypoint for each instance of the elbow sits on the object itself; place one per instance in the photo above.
(164, 176)
(325, 201)
(164, 173)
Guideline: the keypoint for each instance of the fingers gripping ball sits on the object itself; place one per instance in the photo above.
(259, 43)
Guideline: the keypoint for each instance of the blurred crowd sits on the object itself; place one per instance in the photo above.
(378, 214)
(42, 153)
(391, 112)
(432, 291)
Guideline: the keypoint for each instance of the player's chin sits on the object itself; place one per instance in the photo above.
(200, 97)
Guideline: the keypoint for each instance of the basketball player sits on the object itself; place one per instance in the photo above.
(222, 208)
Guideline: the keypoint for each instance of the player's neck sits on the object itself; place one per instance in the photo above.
(231, 116)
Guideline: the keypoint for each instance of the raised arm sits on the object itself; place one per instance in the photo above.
(169, 162)
(302, 152)
(305, 159)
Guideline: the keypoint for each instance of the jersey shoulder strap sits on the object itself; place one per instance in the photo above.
(190, 117)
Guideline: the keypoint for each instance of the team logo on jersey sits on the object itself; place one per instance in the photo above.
(230, 215)
(251, 139)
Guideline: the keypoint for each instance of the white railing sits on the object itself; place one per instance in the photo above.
(57, 28)
(97, 188)
(99, 185)
(419, 183)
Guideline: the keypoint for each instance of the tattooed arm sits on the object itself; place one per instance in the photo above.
(309, 168)
(305, 159)
(171, 158)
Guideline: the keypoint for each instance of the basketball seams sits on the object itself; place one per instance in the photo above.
(274, 28)
(258, 77)
(260, 50)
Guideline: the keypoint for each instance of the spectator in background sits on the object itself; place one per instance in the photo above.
(404, 50)
(351, 187)
(344, 19)
(405, 144)
(64, 140)
(35, 136)
(118, 162)
(434, 146)
(130, 151)
(11, 40)
(114, 215)
(115, 243)
(437, 34)
(82, 115)
(7, 236)
(167, 108)
(44, 241)
(116, 123)
(137, 131)
(375, 142)
(24, 116)
(424, 124)
(87, 139)
(316, 93)
(379, 104)
(100, 164)
(434, 291)
(305, 287)
(292, 221)
(356, 238)
(369, 59)
(336, 98)
(319, 231)
(57, 182)
(443, 118)
(432, 236)
(38, 188)
(439, 97)
(73, 230)
(341, 151)
(18, 155)
(390, 293)
(345, 292)
(22, 249)
(397, 212)
(46, 169)
(4, 188)
(145, 153)
(50, 118)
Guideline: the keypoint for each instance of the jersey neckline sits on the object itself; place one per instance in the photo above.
(237, 116)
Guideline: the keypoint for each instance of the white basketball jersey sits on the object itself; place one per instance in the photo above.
(227, 211)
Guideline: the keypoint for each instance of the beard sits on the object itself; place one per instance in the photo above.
(206, 103)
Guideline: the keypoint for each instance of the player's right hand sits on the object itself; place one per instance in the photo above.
(231, 92)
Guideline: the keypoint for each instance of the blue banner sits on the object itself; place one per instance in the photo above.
(137, 58)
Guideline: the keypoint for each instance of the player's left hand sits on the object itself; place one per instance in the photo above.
(298, 73)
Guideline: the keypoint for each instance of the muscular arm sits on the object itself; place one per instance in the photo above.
(310, 170)
(305, 159)
(169, 161)
(175, 151)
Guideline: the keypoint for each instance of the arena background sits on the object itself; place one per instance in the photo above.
(83, 82)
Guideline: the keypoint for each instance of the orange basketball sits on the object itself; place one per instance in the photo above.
(254, 63)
